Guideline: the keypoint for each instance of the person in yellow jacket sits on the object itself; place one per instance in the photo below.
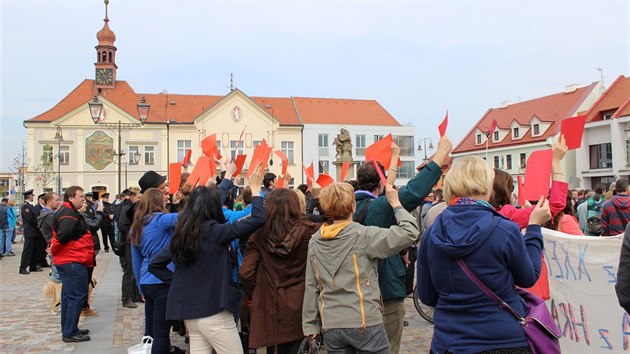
(342, 295)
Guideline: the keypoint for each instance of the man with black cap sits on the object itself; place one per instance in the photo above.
(31, 235)
(152, 179)
(41, 244)
(107, 222)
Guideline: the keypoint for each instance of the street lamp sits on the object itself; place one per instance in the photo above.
(135, 159)
(96, 108)
(58, 138)
(422, 142)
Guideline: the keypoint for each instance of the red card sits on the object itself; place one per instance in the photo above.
(280, 183)
(380, 151)
(174, 177)
(240, 161)
(521, 190)
(266, 154)
(344, 170)
(573, 129)
(380, 173)
(324, 180)
(285, 160)
(209, 146)
(538, 174)
(209, 173)
(186, 160)
(442, 126)
(310, 174)
(493, 127)
(198, 170)
(256, 159)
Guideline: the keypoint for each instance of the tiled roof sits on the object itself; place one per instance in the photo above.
(552, 108)
(185, 108)
(615, 99)
(343, 111)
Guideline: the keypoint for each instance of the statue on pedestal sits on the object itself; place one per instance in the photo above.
(343, 146)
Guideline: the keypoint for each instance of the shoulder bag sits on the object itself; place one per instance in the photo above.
(541, 331)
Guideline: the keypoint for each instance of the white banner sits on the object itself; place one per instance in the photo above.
(582, 278)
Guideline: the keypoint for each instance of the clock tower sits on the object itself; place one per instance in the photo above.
(105, 74)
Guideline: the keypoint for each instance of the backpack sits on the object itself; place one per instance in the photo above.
(594, 225)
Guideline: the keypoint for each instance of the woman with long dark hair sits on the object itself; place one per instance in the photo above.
(202, 292)
(273, 271)
(151, 231)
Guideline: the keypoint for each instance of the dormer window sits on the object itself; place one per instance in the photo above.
(607, 116)
(536, 129)
(496, 136)
(478, 138)
(515, 132)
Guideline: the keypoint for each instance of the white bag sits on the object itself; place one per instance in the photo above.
(143, 348)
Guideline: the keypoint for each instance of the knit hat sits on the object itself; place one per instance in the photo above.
(150, 179)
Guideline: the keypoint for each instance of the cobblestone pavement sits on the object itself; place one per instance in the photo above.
(29, 327)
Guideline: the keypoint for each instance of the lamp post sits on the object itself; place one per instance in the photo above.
(58, 138)
(135, 159)
(423, 142)
(96, 108)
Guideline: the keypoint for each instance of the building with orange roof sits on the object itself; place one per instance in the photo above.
(524, 127)
(94, 154)
(605, 151)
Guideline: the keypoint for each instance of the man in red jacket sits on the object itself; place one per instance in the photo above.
(72, 248)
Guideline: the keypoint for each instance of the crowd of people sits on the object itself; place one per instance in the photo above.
(273, 267)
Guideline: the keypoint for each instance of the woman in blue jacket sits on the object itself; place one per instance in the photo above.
(202, 291)
(151, 231)
(466, 320)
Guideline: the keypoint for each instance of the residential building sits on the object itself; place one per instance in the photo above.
(525, 127)
(604, 155)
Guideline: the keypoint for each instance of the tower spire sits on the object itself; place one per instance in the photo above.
(106, 17)
(106, 55)
(232, 87)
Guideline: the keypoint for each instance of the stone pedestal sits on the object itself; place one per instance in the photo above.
(339, 164)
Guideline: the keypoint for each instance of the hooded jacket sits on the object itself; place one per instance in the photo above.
(342, 289)
(613, 222)
(467, 320)
(391, 272)
(272, 275)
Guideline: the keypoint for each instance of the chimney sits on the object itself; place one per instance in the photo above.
(505, 104)
(570, 88)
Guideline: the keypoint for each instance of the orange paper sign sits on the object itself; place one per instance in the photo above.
(324, 180)
(573, 129)
(240, 161)
(186, 159)
(443, 125)
(209, 146)
(310, 174)
(174, 177)
(284, 159)
(344, 171)
(380, 151)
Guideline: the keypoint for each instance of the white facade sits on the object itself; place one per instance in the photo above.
(362, 136)
(603, 156)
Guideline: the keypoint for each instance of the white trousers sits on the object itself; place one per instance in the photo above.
(216, 332)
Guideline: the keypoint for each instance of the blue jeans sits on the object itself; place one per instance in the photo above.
(74, 292)
(54, 275)
(6, 240)
(155, 324)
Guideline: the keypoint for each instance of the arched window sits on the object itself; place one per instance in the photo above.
(110, 57)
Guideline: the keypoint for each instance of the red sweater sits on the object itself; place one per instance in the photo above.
(72, 240)
(557, 202)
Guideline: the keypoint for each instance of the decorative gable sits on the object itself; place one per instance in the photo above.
(538, 127)
(518, 130)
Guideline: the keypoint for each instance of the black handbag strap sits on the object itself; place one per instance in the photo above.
(502, 304)
(360, 216)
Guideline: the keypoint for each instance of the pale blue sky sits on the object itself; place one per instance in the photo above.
(417, 58)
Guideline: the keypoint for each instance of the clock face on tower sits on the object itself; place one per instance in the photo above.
(104, 76)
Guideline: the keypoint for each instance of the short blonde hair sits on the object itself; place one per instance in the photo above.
(301, 198)
(468, 177)
(337, 200)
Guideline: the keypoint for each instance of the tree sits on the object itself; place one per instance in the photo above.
(44, 172)
(19, 168)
